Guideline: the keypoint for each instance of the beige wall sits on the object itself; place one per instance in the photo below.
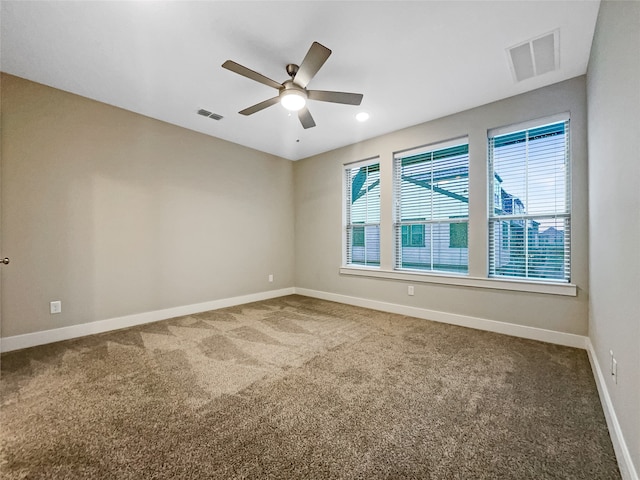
(613, 89)
(319, 199)
(114, 213)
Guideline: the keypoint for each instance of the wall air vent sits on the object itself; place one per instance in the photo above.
(207, 113)
(535, 57)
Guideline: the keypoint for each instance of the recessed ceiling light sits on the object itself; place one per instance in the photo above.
(362, 116)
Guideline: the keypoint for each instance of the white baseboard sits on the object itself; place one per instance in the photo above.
(532, 333)
(627, 469)
(74, 331)
(17, 342)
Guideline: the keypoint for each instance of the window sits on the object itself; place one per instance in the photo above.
(458, 235)
(432, 185)
(413, 235)
(530, 210)
(362, 183)
(357, 236)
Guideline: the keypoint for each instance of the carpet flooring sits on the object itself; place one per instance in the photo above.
(300, 388)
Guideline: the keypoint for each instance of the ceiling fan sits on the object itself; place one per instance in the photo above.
(293, 94)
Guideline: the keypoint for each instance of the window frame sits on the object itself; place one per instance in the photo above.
(435, 220)
(508, 219)
(350, 226)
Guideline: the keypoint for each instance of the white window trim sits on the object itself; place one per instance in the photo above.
(452, 142)
(513, 284)
(529, 124)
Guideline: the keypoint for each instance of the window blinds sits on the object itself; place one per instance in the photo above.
(431, 187)
(530, 203)
(362, 183)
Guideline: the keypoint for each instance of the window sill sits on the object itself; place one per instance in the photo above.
(566, 289)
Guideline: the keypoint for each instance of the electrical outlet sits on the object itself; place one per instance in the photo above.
(270, 277)
(55, 307)
(410, 290)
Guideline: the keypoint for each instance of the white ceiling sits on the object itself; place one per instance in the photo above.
(413, 61)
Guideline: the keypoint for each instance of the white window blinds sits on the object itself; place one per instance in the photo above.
(362, 212)
(530, 202)
(431, 187)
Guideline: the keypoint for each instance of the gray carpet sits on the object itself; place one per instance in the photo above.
(296, 388)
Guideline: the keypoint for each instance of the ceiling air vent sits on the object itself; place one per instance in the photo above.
(535, 57)
(207, 113)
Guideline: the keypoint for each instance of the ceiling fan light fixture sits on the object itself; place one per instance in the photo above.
(293, 100)
(293, 93)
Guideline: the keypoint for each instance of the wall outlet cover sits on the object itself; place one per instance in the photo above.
(55, 307)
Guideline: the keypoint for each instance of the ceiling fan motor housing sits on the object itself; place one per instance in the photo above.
(290, 86)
